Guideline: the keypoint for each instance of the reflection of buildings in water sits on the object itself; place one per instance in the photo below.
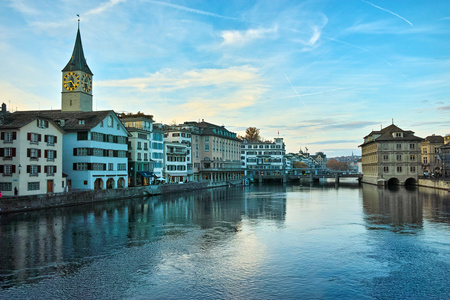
(436, 204)
(266, 202)
(393, 208)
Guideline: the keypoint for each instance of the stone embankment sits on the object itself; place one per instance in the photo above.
(27, 203)
(435, 184)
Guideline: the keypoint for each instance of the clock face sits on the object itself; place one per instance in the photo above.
(71, 81)
(86, 83)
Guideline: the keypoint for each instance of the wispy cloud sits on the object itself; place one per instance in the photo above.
(236, 37)
(325, 142)
(388, 11)
(23, 8)
(444, 108)
(170, 79)
(104, 6)
(191, 10)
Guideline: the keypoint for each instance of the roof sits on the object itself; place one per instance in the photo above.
(71, 118)
(206, 128)
(386, 134)
(78, 62)
(438, 139)
(16, 121)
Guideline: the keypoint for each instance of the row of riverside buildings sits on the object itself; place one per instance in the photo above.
(398, 157)
(76, 148)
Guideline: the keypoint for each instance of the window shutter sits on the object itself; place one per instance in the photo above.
(55, 138)
(2, 152)
(74, 166)
(45, 169)
(54, 169)
(2, 136)
(14, 152)
(45, 153)
(39, 137)
(1, 168)
(13, 169)
(28, 153)
(14, 135)
(46, 138)
(28, 168)
(29, 136)
(74, 152)
(54, 154)
(39, 152)
(39, 169)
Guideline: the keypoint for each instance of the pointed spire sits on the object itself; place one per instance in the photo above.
(77, 62)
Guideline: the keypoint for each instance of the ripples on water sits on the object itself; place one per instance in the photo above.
(257, 242)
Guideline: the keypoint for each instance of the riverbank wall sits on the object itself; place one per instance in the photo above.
(72, 198)
(435, 184)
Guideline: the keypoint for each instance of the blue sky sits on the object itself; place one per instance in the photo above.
(321, 73)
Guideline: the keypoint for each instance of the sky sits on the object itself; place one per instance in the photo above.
(322, 74)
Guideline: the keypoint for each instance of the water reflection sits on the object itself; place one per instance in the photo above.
(397, 210)
(58, 241)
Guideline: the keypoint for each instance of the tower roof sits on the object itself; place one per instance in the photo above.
(77, 62)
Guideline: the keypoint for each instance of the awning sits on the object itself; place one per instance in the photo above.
(146, 174)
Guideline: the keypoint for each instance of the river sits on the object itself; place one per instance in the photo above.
(257, 242)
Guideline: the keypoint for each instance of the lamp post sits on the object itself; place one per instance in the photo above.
(20, 168)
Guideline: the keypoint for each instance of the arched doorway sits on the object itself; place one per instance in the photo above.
(121, 183)
(410, 181)
(110, 183)
(98, 184)
(393, 181)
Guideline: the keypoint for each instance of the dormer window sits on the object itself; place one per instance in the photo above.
(110, 121)
(81, 121)
(42, 123)
(398, 134)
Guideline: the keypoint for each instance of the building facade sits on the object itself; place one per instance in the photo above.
(31, 155)
(391, 156)
(264, 158)
(178, 153)
(431, 160)
(140, 164)
(216, 152)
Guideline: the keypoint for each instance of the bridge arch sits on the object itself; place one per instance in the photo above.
(410, 181)
(393, 181)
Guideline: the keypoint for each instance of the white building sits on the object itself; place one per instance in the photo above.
(265, 158)
(158, 151)
(31, 155)
(178, 158)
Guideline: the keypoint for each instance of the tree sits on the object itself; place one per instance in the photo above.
(252, 134)
(335, 165)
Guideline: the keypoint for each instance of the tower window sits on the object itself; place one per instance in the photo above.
(110, 121)
(70, 102)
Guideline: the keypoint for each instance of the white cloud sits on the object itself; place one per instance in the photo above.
(236, 37)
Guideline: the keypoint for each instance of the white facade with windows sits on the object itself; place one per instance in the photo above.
(266, 157)
(31, 156)
(178, 154)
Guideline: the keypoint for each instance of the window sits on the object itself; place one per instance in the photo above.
(412, 146)
(110, 167)
(399, 146)
(50, 170)
(139, 156)
(33, 186)
(5, 186)
(139, 146)
(8, 137)
(207, 148)
(34, 138)
(121, 167)
(101, 124)
(399, 157)
(424, 151)
(81, 121)
(413, 169)
(33, 153)
(50, 155)
(175, 134)
(82, 135)
(399, 169)
(33, 170)
(386, 169)
(145, 157)
(207, 140)
(425, 160)
(412, 157)
(42, 123)
(50, 140)
(80, 166)
(110, 121)
(385, 157)
(8, 170)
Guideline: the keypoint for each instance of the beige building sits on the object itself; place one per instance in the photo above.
(431, 162)
(391, 156)
(215, 152)
(31, 155)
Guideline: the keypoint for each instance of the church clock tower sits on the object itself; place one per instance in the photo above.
(77, 81)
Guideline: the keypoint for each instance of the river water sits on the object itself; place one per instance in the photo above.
(257, 242)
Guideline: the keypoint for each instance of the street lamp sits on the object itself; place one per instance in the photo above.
(20, 168)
